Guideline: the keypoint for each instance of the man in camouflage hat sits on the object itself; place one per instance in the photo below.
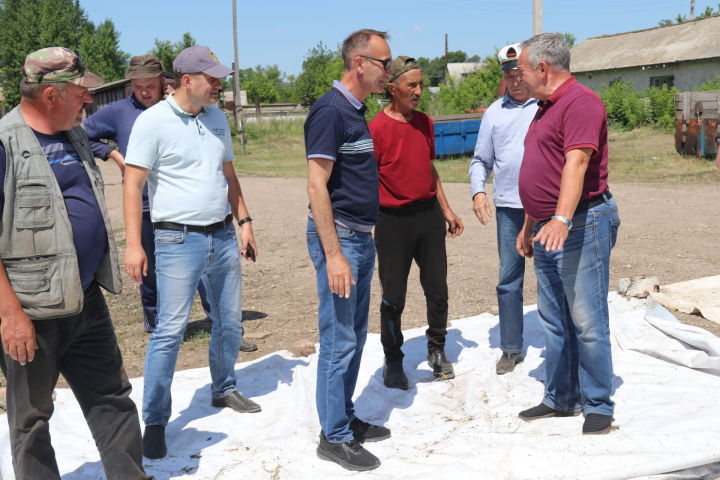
(412, 222)
(56, 250)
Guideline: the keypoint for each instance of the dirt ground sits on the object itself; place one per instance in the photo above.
(668, 231)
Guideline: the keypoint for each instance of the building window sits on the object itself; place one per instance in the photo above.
(658, 82)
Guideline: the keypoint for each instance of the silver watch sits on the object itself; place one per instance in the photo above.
(566, 221)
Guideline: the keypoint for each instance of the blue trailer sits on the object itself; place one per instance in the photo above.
(456, 134)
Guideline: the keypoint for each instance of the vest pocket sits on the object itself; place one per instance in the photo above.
(32, 281)
(33, 204)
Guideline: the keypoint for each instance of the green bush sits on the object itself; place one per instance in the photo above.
(712, 84)
(628, 108)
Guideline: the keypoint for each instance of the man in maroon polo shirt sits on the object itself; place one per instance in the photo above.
(571, 226)
(411, 224)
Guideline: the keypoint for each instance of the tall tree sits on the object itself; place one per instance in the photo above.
(102, 51)
(29, 25)
(320, 68)
(166, 51)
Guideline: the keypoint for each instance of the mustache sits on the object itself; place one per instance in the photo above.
(414, 97)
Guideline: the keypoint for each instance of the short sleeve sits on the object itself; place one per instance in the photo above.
(3, 170)
(582, 123)
(324, 133)
(228, 142)
(143, 145)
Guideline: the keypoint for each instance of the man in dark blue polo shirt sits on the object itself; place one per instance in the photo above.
(343, 191)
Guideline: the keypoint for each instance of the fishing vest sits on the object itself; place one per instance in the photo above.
(36, 237)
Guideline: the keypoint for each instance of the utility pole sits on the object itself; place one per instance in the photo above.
(537, 17)
(692, 9)
(239, 121)
(445, 72)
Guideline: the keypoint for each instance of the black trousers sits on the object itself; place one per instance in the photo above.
(84, 349)
(413, 232)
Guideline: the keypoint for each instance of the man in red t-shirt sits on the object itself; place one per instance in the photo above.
(411, 224)
(571, 225)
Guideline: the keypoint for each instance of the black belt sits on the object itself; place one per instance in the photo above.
(180, 227)
(592, 202)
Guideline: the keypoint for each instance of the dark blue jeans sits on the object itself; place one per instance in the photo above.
(572, 289)
(84, 349)
(510, 282)
(343, 328)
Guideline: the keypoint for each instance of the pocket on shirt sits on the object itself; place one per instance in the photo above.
(33, 204)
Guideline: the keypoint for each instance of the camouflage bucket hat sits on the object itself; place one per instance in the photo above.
(401, 65)
(57, 64)
(144, 66)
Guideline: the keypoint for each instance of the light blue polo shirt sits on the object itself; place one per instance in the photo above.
(185, 155)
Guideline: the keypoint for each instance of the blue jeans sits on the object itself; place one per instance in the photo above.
(510, 282)
(183, 259)
(343, 328)
(148, 288)
(572, 286)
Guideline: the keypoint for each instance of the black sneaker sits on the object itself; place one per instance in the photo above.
(350, 455)
(154, 442)
(597, 424)
(442, 367)
(543, 411)
(365, 432)
(393, 374)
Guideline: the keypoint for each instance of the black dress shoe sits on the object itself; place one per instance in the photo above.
(366, 432)
(237, 402)
(154, 442)
(349, 455)
(394, 376)
(442, 367)
(543, 411)
(597, 424)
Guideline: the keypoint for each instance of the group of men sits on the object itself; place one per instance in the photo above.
(546, 141)
(57, 248)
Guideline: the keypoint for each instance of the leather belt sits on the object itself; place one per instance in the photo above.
(593, 202)
(180, 227)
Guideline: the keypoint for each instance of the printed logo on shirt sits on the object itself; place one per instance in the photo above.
(220, 132)
(361, 146)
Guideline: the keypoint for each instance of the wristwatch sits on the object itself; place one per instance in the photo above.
(244, 220)
(566, 221)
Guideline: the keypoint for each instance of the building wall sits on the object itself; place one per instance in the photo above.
(686, 77)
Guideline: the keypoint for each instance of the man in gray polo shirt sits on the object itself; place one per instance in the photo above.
(500, 148)
(183, 145)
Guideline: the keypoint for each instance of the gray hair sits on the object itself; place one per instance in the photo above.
(31, 91)
(550, 48)
(358, 40)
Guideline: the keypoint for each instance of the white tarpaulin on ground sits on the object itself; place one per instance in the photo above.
(700, 295)
(667, 394)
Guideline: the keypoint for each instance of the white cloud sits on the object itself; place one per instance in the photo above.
(418, 28)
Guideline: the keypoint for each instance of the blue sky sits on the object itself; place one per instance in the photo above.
(282, 31)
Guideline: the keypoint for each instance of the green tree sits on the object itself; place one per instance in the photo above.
(434, 69)
(712, 84)
(166, 50)
(680, 18)
(569, 38)
(260, 83)
(103, 55)
(29, 25)
(474, 91)
(320, 67)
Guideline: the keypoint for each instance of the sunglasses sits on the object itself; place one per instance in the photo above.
(385, 63)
